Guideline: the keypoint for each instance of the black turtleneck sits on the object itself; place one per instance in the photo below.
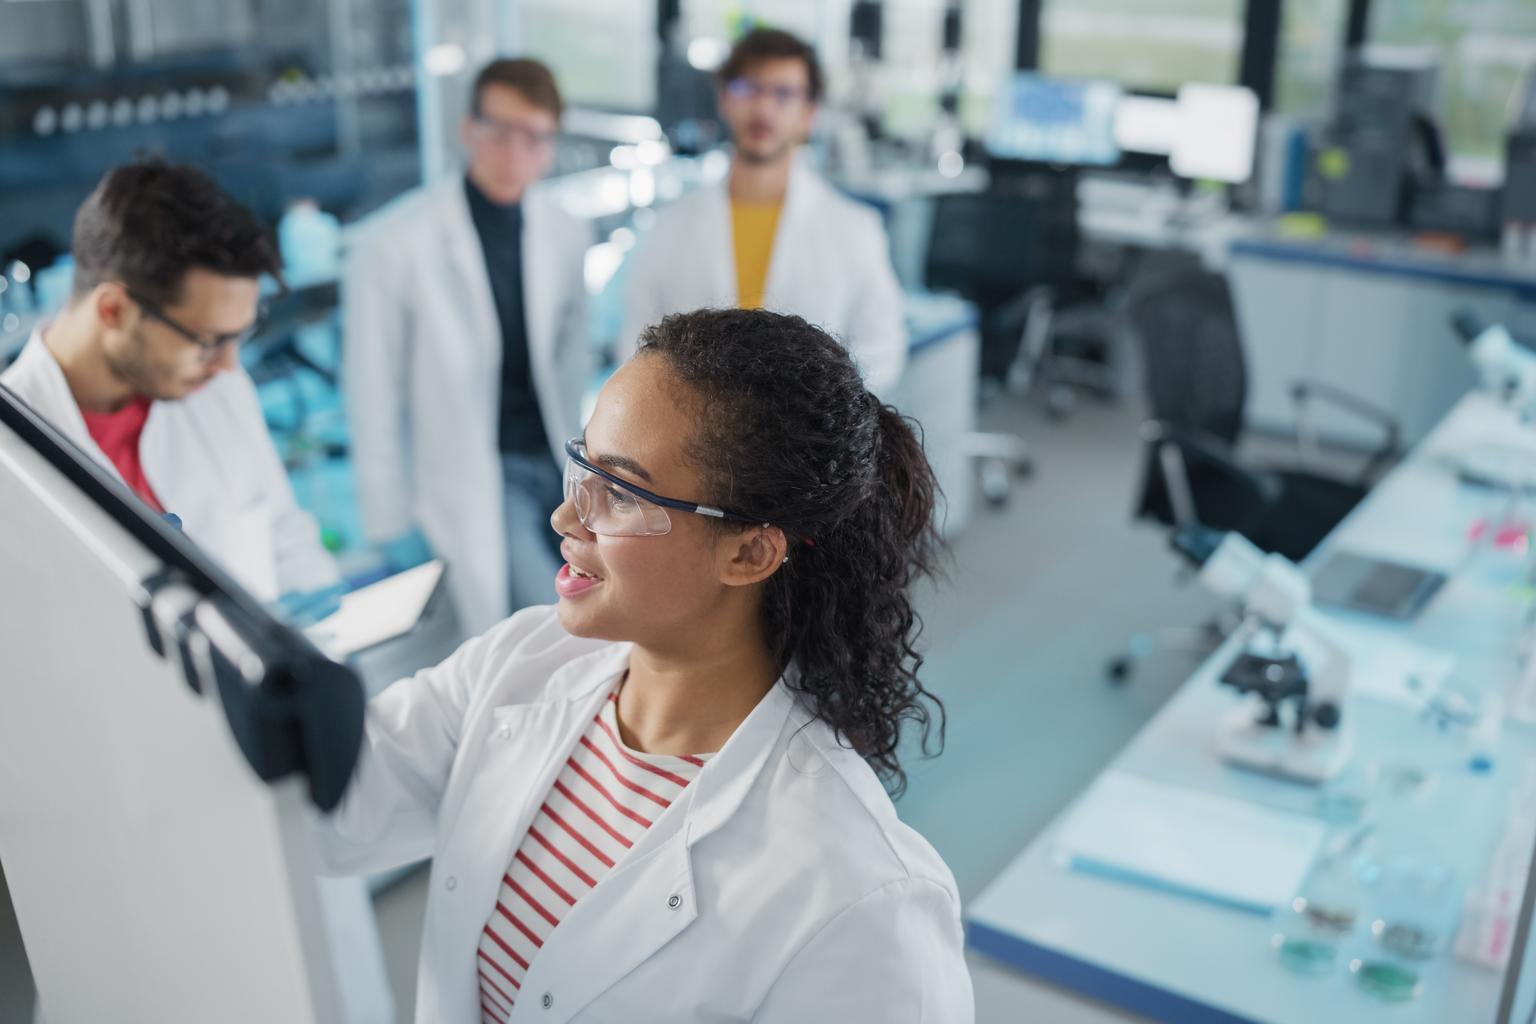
(500, 227)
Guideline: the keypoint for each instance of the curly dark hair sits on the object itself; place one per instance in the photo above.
(787, 430)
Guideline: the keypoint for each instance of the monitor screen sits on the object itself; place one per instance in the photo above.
(1054, 120)
(1218, 129)
(1147, 124)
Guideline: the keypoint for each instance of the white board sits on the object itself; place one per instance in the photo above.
(154, 876)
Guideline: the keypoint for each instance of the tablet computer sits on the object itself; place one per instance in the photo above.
(1375, 586)
(379, 612)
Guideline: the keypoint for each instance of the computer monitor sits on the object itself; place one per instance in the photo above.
(1218, 130)
(1001, 241)
(1054, 120)
(1147, 124)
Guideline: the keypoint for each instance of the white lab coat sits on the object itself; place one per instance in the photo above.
(209, 459)
(780, 887)
(831, 264)
(422, 374)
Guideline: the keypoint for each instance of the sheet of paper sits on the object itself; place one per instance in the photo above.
(1183, 841)
(1400, 672)
(378, 612)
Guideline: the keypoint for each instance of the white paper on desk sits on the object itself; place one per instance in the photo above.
(378, 612)
(1396, 671)
(1183, 841)
(1382, 667)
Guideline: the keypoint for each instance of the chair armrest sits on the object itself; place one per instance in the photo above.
(1303, 391)
(1173, 447)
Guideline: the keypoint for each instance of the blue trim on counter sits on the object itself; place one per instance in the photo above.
(1094, 982)
(1389, 265)
(933, 335)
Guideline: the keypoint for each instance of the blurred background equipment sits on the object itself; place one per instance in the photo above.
(1202, 261)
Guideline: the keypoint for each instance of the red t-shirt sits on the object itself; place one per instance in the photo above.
(117, 434)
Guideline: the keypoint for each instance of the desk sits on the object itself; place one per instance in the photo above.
(1368, 313)
(1118, 210)
(1172, 958)
(1393, 254)
(1115, 210)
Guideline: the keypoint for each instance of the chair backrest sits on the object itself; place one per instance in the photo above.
(1192, 354)
(1005, 240)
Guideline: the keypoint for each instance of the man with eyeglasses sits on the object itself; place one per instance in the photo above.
(141, 369)
(773, 234)
(466, 355)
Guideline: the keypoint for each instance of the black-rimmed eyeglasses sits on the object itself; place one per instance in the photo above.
(211, 347)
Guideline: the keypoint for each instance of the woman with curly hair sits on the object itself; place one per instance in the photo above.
(661, 799)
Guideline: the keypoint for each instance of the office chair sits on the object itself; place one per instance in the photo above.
(1196, 389)
(1011, 251)
(967, 229)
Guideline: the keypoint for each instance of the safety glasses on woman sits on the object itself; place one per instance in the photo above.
(612, 507)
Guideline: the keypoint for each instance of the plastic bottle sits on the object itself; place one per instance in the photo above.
(1491, 908)
(310, 242)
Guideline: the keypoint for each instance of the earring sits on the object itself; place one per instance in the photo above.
(786, 560)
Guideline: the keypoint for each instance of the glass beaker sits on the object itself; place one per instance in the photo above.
(1413, 917)
(1311, 931)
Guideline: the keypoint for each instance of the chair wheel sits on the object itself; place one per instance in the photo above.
(1118, 670)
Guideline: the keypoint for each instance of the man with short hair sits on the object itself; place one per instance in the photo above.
(773, 234)
(466, 354)
(141, 370)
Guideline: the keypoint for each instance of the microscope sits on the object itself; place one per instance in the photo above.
(1506, 369)
(1505, 365)
(1292, 674)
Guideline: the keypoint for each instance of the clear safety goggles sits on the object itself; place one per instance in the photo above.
(612, 507)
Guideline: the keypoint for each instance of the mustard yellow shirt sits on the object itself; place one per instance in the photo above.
(753, 226)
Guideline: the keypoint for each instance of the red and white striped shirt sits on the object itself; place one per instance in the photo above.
(603, 800)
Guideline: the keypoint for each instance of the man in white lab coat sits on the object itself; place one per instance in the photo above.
(466, 354)
(141, 371)
(773, 234)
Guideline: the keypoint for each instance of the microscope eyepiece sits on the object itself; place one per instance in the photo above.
(1197, 543)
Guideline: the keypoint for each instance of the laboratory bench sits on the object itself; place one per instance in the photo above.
(1146, 944)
